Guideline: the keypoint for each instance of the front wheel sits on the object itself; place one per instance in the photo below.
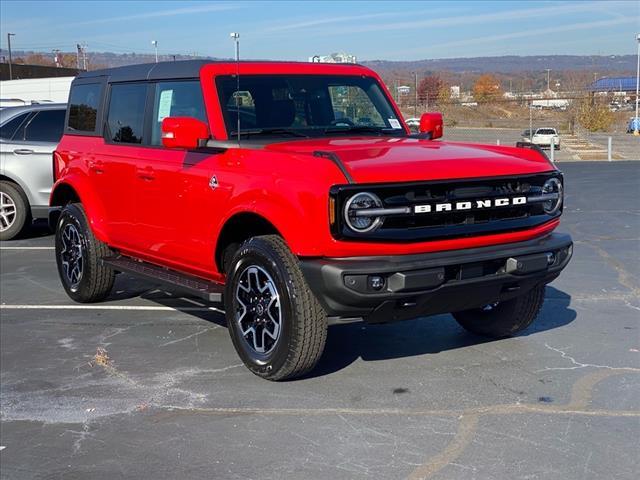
(503, 319)
(78, 255)
(276, 324)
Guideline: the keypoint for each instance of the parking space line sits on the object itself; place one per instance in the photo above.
(27, 248)
(150, 308)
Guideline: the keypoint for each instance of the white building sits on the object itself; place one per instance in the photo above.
(454, 91)
(334, 58)
(26, 91)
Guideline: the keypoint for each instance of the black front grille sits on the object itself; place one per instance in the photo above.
(412, 226)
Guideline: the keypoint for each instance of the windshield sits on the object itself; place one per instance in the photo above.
(306, 105)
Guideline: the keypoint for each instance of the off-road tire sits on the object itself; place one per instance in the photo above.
(97, 280)
(303, 326)
(22, 210)
(504, 319)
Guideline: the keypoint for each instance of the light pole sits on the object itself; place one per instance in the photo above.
(9, 35)
(155, 45)
(636, 120)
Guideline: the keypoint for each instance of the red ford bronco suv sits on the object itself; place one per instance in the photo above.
(295, 194)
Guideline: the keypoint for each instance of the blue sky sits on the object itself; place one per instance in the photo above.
(295, 30)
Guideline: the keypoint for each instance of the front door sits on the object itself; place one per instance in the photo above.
(168, 182)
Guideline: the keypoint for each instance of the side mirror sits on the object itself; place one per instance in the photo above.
(183, 132)
(431, 123)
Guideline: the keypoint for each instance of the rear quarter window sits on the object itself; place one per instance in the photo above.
(9, 128)
(84, 102)
(46, 126)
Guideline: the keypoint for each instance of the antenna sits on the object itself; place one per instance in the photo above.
(236, 38)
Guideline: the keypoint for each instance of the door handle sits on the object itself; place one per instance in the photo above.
(96, 166)
(23, 151)
(146, 173)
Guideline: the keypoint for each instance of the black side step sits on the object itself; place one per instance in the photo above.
(200, 287)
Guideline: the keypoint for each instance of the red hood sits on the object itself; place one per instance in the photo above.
(374, 160)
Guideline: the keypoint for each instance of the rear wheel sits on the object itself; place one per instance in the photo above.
(276, 324)
(503, 319)
(15, 213)
(78, 255)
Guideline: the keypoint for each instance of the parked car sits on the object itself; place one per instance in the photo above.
(305, 217)
(542, 137)
(413, 123)
(28, 137)
(633, 125)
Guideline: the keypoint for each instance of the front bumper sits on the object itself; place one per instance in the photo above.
(410, 286)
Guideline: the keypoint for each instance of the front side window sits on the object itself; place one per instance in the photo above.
(46, 126)
(310, 105)
(83, 107)
(125, 120)
(176, 99)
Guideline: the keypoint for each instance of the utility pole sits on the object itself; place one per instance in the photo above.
(9, 35)
(155, 45)
(84, 56)
(56, 57)
(548, 72)
(415, 88)
(78, 49)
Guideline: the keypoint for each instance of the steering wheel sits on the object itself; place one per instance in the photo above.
(345, 121)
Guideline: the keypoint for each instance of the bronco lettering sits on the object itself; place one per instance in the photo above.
(448, 207)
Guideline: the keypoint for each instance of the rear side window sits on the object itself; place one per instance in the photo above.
(83, 107)
(126, 112)
(176, 99)
(8, 129)
(46, 126)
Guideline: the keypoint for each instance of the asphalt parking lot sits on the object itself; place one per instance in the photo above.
(147, 385)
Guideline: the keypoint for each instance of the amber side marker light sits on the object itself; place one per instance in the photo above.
(332, 211)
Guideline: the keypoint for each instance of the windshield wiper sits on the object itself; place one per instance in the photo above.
(270, 131)
(363, 129)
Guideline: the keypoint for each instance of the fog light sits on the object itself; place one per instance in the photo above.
(551, 258)
(376, 282)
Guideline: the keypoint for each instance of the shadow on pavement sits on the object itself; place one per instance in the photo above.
(347, 343)
(431, 335)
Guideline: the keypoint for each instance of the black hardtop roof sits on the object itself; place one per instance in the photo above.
(164, 70)
(149, 71)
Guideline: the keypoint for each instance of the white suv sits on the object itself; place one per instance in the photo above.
(542, 137)
(28, 137)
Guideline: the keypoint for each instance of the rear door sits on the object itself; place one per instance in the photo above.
(27, 156)
(118, 161)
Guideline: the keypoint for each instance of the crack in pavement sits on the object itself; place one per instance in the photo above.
(469, 417)
(577, 364)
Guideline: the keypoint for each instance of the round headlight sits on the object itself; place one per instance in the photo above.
(356, 215)
(553, 188)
